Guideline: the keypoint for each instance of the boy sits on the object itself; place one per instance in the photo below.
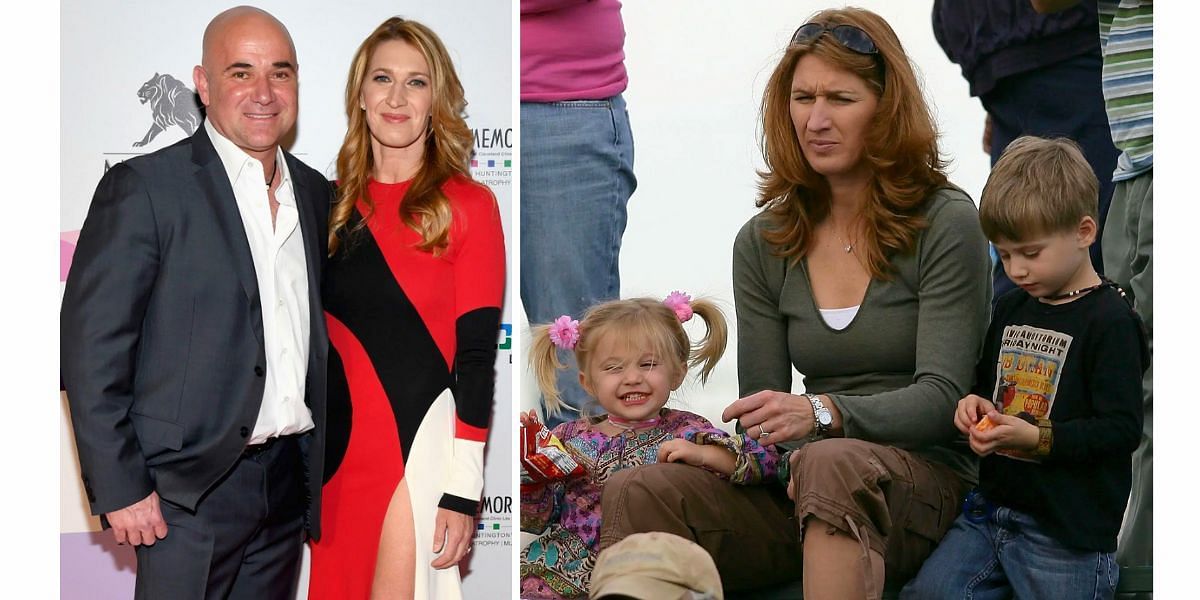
(1056, 411)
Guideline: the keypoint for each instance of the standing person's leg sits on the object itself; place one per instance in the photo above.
(576, 179)
(750, 531)
(245, 535)
(270, 565)
(1129, 254)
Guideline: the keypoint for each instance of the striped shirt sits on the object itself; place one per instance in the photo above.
(1127, 40)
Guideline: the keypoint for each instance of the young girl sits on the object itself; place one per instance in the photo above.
(631, 355)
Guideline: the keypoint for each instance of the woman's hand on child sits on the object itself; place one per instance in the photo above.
(1007, 433)
(970, 410)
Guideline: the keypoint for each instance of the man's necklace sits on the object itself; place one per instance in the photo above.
(274, 170)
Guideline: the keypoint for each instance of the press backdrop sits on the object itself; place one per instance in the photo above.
(110, 50)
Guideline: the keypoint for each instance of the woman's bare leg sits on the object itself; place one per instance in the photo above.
(395, 565)
(833, 564)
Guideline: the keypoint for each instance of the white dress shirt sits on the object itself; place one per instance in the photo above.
(279, 267)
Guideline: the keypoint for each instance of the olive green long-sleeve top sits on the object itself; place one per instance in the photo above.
(898, 370)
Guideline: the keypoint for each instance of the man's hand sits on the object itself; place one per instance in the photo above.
(781, 416)
(1009, 433)
(970, 410)
(452, 537)
(140, 523)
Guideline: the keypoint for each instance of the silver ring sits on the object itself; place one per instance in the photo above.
(762, 433)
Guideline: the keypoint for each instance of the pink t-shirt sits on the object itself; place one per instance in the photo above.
(571, 50)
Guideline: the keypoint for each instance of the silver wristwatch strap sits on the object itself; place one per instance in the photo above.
(820, 430)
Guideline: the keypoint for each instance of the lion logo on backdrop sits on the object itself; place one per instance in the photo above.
(171, 103)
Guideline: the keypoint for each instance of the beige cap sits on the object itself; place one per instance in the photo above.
(656, 566)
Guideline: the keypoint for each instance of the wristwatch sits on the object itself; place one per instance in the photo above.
(822, 418)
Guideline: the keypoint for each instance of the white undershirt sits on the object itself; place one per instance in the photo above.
(279, 267)
(838, 318)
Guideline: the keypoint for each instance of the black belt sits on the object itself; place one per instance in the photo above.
(257, 449)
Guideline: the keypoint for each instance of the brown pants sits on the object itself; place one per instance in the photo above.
(889, 500)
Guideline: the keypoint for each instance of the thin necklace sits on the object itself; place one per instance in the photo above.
(1083, 290)
(629, 425)
(273, 171)
(846, 246)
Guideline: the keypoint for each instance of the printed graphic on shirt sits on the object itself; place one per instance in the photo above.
(1027, 375)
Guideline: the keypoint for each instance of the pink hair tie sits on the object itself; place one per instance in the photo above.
(564, 332)
(681, 303)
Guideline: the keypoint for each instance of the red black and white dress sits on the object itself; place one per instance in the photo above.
(412, 352)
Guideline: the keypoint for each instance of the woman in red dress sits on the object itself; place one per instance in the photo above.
(412, 292)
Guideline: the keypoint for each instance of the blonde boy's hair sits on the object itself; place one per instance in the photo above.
(641, 322)
(1039, 186)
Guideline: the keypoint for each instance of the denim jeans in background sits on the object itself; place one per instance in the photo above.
(576, 179)
(1006, 555)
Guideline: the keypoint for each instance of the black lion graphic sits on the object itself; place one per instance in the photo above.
(171, 103)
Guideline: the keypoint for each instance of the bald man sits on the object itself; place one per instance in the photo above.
(193, 343)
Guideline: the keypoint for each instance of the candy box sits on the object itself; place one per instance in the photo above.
(544, 458)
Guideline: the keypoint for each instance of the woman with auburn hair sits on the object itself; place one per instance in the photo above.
(412, 294)
(868, 273)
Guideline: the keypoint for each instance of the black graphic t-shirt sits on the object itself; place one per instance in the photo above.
(1079, 364)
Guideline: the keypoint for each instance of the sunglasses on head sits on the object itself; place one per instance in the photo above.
(847, 35)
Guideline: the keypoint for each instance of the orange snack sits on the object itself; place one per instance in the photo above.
(984, 424)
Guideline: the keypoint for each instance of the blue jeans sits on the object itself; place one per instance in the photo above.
(576, 179)
(1004, 554)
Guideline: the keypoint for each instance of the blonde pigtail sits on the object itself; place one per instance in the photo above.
(706, 352)
(543, 360)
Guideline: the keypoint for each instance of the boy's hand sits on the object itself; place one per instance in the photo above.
(1009, 433)
(970, 410)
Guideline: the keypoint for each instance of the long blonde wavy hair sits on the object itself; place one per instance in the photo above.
(643, 322)
(900, 148)
(448, 144)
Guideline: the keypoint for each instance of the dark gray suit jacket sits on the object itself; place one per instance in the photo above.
(163, 359)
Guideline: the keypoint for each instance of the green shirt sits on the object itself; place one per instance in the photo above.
(898, 370)
(1127, 41)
